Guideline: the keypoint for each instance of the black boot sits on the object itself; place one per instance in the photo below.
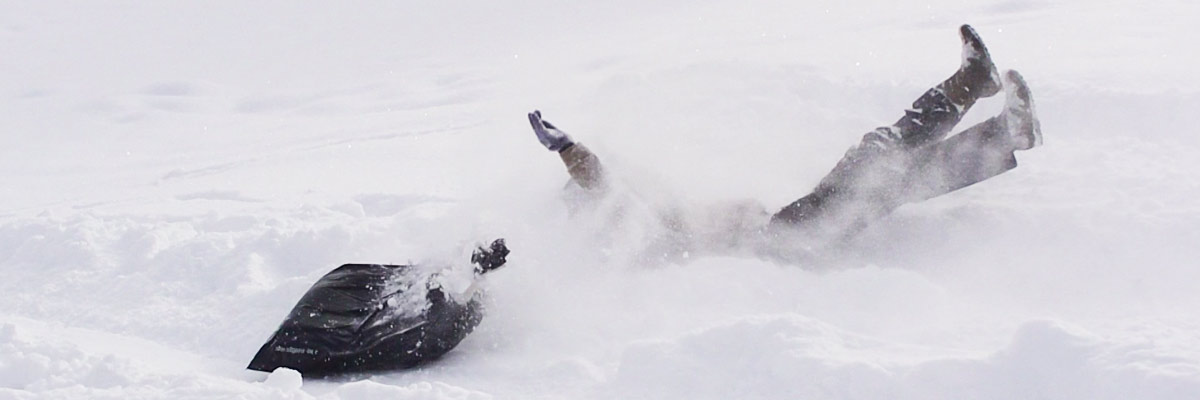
(936, 112)
(977, 77)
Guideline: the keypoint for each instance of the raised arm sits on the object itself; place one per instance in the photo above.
(583, 166)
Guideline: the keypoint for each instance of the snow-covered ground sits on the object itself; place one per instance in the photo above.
(175, 175)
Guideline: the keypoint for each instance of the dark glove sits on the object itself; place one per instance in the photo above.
(492, 257)
(551, 137)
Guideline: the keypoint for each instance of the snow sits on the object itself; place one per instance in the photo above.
(285, 379)
(175, 176)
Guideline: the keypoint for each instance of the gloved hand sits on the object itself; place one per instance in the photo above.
(551, 137)
(487, 259)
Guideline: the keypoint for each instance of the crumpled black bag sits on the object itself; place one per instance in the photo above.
(362, 317)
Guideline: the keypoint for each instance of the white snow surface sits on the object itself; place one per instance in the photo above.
(176, 174)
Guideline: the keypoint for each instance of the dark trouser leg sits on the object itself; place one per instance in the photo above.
(886, 181)
(878, 160)
(868, 181)
(978, 153)
(932, 116)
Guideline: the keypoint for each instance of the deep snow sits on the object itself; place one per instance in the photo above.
(176, 175)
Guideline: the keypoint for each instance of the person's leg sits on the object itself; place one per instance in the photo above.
(880, 159)
(935, 113)
(978, 153)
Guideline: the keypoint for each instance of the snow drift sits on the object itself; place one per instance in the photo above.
(166, 165)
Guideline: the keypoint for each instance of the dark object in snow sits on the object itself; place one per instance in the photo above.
(362, 317)
(490, 258)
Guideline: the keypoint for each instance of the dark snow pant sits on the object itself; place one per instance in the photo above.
(906, 162)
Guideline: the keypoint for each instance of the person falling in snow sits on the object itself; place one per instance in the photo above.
(912, 160)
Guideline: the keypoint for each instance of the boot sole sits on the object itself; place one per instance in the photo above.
(1021, 91)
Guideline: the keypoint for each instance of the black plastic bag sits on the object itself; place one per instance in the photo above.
(362, 317)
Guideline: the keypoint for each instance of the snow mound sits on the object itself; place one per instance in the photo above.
(46, 367)
(176, 175)
(285, 379)
(786, 356)
(418, 391)
(792, 356)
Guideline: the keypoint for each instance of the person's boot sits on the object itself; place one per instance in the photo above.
(1019, 117)
(977, 77)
